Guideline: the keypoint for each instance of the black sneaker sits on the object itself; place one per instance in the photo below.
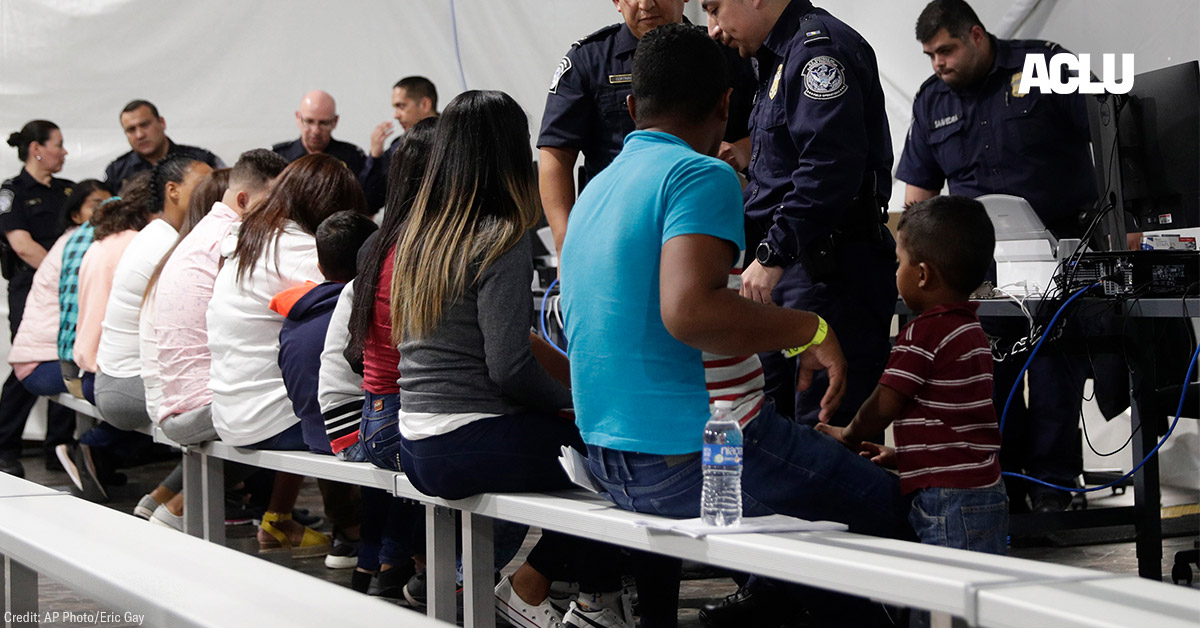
(747, 608)
(343, 554)
(391, 583)
(12, 466)
(415, 591)
(77, 462)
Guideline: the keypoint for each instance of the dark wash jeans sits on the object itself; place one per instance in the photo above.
(514, 453)
(789, 469)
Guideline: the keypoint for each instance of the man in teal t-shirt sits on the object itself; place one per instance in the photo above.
(646, 266)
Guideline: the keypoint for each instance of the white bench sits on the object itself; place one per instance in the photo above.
(985, 590)
(169, 579)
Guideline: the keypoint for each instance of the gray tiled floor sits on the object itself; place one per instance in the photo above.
(55, 596)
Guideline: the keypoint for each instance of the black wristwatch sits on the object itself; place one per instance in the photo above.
(768, 256)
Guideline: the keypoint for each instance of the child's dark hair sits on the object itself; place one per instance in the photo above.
(338, 239)
(954, 235)
(78, 197)
(256, 168)
(678, 71)
(129, 211)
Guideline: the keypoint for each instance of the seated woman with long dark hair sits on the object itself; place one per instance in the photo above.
(478, 413)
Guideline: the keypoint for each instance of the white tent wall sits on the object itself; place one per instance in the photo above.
(227, 74)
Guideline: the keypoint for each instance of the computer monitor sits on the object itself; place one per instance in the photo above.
(1146, 146)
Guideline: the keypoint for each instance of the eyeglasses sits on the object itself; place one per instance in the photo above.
(324, 125)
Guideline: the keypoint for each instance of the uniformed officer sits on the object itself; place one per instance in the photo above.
(819, 178)
(586, 110)
(32, 216)
(146, 131)
(414, 98)
(973, 129)
(317, 118)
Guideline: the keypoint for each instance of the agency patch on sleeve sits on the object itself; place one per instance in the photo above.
(824, 78)
(6, 200)
(563, 67)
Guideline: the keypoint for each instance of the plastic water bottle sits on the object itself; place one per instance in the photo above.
(721, 497)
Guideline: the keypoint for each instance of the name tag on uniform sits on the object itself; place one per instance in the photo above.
(947, 121)
(619, 79)
(33, 201)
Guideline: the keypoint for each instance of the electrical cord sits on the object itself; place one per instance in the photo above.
(1178, 413)
(542, 318)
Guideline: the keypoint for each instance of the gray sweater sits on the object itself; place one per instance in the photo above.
(478, 359)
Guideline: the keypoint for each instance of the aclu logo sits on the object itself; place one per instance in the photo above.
(1068, 74)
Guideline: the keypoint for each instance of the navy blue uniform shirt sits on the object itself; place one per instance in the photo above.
(989, 139)
(28, 205)
(586, 109)
(132, 163)
(819, 130)
(374, 173)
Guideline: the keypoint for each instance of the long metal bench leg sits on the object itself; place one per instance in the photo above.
(193, 493)
(21, 593)
(479, 610)
(440, 563)
(213, 493)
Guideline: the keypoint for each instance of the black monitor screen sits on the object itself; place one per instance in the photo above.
(1154, 175)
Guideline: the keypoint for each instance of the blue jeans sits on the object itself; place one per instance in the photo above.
(789, 469)
(46, 380)
(973, 519)
(379, 432)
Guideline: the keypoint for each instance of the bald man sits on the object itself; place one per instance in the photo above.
(317, 118)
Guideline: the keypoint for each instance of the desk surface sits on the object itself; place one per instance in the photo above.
(1145, 308)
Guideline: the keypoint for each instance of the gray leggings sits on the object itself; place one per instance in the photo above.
(191, 427)
(122, 401)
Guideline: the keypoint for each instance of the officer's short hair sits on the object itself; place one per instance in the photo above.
(138, 103)
(956, 16)
(338, 239)
(418, 87)
(952, 234)
(256, 168)
(678, 71)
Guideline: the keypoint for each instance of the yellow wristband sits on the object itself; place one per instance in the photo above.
(818, 338)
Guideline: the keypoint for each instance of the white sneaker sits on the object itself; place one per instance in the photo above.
(562, 594)
(166, 518)
(603, 618)
(511, 607)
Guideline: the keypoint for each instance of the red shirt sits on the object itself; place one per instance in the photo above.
(381, 358)
(947, 436)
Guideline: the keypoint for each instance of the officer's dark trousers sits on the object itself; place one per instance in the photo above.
(858, 303)
(15, 401)
(1041, 439)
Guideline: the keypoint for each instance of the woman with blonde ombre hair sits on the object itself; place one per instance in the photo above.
(478, 413)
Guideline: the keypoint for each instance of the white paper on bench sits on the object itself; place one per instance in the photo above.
(576, 466)
(696, 528)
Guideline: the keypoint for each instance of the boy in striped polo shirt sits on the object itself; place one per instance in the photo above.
(937, 387)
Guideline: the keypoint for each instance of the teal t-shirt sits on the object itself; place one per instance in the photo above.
(635, 387)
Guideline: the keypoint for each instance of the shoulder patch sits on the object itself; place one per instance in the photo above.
(6, 200)
(598, 35)
(814, 32)
(563, 67)
(824, 78)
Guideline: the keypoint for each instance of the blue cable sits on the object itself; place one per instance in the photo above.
(1045, 335)
(1178, 412)
(462, 75)
(542, 317)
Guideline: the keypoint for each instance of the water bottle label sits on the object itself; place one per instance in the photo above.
(722, 455)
